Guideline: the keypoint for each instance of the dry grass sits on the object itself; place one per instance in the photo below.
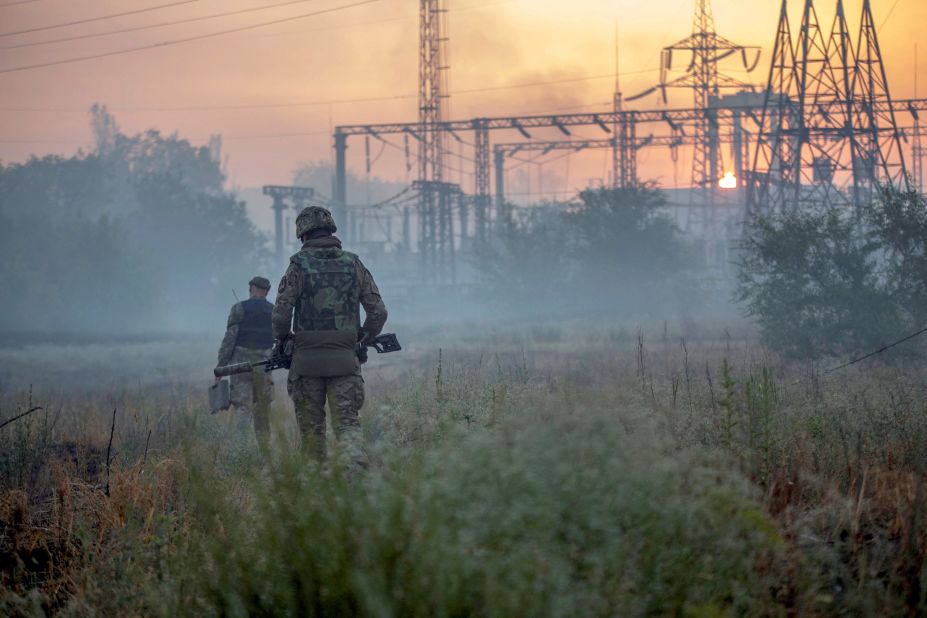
(836, 463)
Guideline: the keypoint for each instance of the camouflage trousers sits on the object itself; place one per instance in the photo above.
(345, 396)
(241, 392)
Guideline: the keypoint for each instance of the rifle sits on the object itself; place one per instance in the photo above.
(281, 359)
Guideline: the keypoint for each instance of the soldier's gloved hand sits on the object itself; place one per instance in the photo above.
(281, 347)
(361, 347)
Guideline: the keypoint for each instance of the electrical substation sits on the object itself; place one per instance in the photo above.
(823, 128)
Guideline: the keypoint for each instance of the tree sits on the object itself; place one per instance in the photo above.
(610, 249)
(528, 265)
(631, 254)
(138, 236)
(829, 280)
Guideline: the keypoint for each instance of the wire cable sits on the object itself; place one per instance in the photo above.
(555, 81)
(6, 4)
(160, 25)
(99, 18)
(193, 138)
(879, 351)
(185, 40)
(888, 16)
(209, 108)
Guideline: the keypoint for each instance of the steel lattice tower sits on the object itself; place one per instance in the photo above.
(707, 49)
(432, 94)
(828, 132)
(880, 148)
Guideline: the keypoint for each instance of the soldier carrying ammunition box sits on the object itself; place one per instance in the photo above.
(248, 339)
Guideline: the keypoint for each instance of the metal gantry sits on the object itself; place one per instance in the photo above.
(299, 196)
(676, 121)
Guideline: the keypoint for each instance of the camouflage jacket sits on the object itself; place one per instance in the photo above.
(227, 348)
(293, 282)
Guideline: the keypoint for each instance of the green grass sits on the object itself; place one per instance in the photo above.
(525, 475)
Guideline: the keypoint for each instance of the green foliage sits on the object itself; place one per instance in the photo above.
(610, 247)
(514, 521)
(70, 273)
(529, 262)
(115, 241)
(830, 280)
(747, 409)
(506, 479)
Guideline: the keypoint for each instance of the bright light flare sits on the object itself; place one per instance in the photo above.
(729, 181)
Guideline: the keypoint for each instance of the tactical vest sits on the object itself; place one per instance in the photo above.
(254, 331)
(327, 314)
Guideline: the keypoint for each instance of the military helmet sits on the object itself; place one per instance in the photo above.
(260, 283)
(315, 218)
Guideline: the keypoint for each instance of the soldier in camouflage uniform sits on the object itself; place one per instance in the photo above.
(320, 296)
(248, 338)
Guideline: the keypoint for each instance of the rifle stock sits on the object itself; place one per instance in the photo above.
(383, 344)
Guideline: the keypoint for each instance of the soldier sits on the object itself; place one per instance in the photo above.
(248, 338)
(324, 286)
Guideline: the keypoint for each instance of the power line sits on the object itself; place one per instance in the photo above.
(556, 81)
(100, 18)
(189, 139)
(211, 108)
(160, 25)
(247, 137)
(450, 9)
(15, 3)
(888, 16)
(205, 108)
(879, 351)
(185, 40)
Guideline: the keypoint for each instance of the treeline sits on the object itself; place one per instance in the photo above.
(136, 237)
(836, 280)
(607, 252)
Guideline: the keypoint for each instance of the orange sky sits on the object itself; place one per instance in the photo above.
(270, 74)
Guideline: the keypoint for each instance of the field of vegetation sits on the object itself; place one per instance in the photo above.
(526, 470)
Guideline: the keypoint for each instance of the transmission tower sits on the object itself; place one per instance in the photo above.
(881, 153)
(707, 49)
(828, 132)
(432, 94)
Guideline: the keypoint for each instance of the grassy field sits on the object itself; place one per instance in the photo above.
(531, 470)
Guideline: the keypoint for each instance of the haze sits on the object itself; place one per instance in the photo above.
(265, 90)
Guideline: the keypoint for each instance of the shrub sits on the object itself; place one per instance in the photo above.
(609, 248)
(831, 280)
(514, 521)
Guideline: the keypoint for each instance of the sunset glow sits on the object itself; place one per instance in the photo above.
(275, 92)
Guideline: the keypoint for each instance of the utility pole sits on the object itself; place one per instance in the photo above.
(618, 179)
(917, 173)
